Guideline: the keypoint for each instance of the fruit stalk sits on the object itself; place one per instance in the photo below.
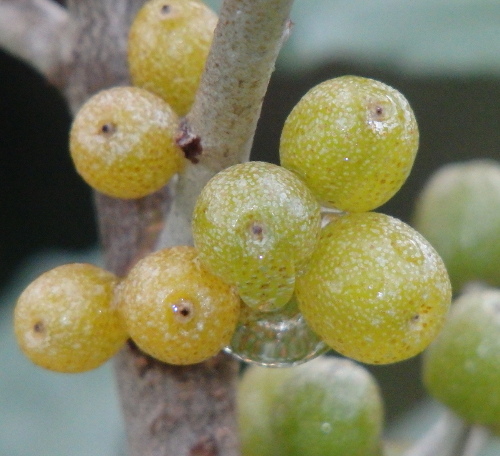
(476, 439)
(442, 438)
(450, 436)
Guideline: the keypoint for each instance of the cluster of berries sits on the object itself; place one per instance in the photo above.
(368, 285)
(296, 240)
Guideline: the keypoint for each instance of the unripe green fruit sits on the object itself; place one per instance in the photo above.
(175, 310)
(353, 140)
(65, 321)
(462, 366)
(123, 142)
(256, 399)
(326, 407)
(168, 45)
(256, 225)
(375, 290)
(459, 213)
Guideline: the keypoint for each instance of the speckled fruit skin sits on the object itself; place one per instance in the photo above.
(65, 321)
(458, 211)
(175, 310)
(353, 140)
(122, 142)
(167, 49)
(256, 225)
(327, 407)
(461, 367)
(376, 291)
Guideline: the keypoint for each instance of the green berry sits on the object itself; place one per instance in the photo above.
(375, 290)
(462, 366)
(256, 399)
(459, 213)
(175, 310)
(327, 407)
(256, 225)
(65, 321)
(168, 45)
(353, 140)
(122, 142)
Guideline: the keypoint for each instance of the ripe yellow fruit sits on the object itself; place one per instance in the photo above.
(353, 140)
(168, 45)
(64, 320)
(175, 310)
(376, 291)
(123, 142)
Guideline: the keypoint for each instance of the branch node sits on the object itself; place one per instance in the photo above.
(206, 446)
(189, 142)
(142, 362)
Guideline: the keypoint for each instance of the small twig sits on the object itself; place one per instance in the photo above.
(443, 439)
(37, 32)
(476, 440)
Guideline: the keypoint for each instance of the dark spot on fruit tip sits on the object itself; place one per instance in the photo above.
(183, 310)
(377, 111)
(189, 143)
(39, 327)
(108, 129)
(414, 322)
(256, 230)
(165, 9)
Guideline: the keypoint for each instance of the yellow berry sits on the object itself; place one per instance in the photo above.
(175, 310)
(122, 142)
(353, 140)
(65, 321)
(168, 45)
(376, 290)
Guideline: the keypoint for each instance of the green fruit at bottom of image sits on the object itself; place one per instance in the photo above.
(326, 407)
(256, 398)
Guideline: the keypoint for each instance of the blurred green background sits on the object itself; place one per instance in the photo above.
(443, 56)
